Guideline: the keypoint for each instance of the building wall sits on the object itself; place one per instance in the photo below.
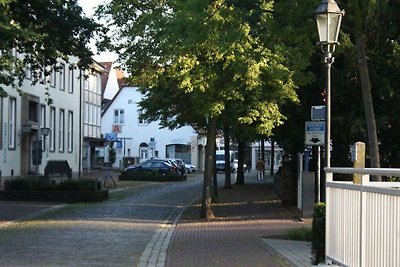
(91, 116)
(139, 138)
(31, 109)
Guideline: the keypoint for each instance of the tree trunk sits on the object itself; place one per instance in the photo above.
(227, 147)
(271, 171)
(206, 210)
(214, 179)
(366, 94)
(263, 154)
(240, 172)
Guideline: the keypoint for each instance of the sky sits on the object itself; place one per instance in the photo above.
(89, 7)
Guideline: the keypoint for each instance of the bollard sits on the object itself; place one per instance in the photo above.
(357, 152)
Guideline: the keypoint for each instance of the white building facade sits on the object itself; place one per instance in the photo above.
(24, 147)
(139, 139)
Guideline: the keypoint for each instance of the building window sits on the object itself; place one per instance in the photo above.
(12, 123)
(28, 71)
(42, 116)
(98, 116)
(53, 78)
(141, 121)
(86, 115)
(33, 111)
(71, 80)
(92, 83)
(93, 114)
(52, 138)
(86, 83)
(70, 130)
(98, 83)
(61, 132)
(90, 114)
(118, 116)
(43, 120)
(62, 76)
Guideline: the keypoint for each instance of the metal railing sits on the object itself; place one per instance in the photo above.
(363, 220)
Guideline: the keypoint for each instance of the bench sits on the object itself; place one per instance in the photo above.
(57, 167)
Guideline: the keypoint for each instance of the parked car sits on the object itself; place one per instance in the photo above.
(159, 165)
(235, 165)
(190, 168)
(180, 165)
(220, 165)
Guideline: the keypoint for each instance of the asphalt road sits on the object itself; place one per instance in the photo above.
(129, 229)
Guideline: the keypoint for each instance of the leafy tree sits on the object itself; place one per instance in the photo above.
(42, 31)
(193, 58)
(371, 41)
(111, 154)
(367, 59)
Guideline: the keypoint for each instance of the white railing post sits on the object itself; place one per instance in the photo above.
(365, 178)
(362, 219)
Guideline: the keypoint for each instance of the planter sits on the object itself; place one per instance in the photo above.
(55, 196)
(152, 178)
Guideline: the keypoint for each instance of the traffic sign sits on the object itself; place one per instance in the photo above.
(315, 133)
(318, 113)
(111, 136)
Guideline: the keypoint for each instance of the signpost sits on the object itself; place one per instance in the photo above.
(315, 136)
(315, 132)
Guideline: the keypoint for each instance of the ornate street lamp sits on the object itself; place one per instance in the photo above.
(45, 131)
(329, 17)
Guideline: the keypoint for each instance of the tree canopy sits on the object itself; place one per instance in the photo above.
(42, 31)
(195, 59)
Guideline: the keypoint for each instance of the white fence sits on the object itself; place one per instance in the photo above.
(363, 220)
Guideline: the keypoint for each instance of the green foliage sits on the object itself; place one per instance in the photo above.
(76, 185)
(392, 179)
(29, 184)
(42, 31)
(193, 60)
(112, 153)
(300, 234)
(318, 233)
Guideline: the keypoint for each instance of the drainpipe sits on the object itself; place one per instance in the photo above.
(80, 125)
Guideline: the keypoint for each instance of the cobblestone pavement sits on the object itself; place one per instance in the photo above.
(147, 225)
(123, 231)
(245, 215)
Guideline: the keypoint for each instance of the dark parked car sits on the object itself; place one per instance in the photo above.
(159, 165)
(220, 166)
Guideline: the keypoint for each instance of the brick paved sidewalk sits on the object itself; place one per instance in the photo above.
(244, 216)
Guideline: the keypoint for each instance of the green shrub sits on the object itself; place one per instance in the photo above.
(300, 234)
(25, 184)
(18, 185)
(76, 185)
(318, 233)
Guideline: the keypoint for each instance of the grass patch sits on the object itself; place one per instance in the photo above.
(300, 234)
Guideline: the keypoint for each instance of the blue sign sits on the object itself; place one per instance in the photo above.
(315, 126)
(119, 144)
(111, 137)
(315, 133)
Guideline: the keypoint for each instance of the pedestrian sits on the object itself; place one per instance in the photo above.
(260, 169)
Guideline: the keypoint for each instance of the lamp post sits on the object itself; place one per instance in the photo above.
(328, 16)
(45, 131)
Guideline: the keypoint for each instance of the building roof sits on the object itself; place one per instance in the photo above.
(120, 75)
